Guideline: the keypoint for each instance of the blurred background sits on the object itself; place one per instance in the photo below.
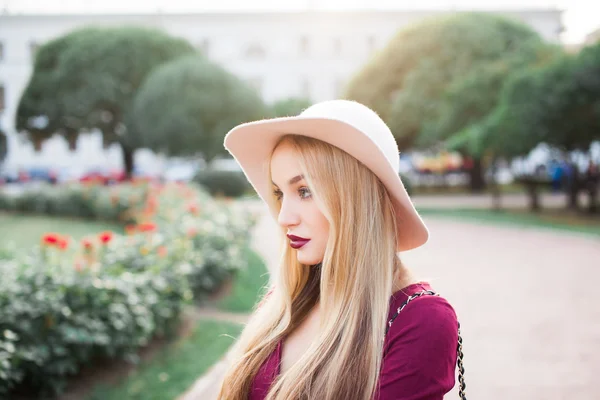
(112, 119)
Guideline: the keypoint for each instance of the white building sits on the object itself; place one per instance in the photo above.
(283, 54)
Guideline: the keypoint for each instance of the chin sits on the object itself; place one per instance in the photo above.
(308, 259)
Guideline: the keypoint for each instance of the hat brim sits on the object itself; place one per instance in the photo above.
(252, 143)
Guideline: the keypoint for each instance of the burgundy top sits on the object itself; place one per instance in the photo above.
(419, 352)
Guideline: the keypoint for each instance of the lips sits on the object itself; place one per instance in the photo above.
(297, 242)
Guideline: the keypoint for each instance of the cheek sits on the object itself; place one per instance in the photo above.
(320, 225)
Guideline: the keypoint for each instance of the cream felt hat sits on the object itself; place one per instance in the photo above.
(348, 125)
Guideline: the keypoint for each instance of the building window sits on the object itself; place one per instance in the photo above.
(304, 45)
(2, 98)
(255, 51)
(33, 48)
(337, 46)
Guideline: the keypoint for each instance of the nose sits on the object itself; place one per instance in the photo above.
(288, 216)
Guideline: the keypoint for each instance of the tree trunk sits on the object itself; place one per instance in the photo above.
(593, 199)
(531, 185)
(477, 180)
(574, 185)
(573, 198)
(127, 161)
(534, 198)
(495, 189)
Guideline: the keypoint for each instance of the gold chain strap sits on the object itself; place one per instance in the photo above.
(459, 353)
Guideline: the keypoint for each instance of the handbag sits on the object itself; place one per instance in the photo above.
(459, 352)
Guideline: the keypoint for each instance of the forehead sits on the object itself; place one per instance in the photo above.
(284, 163)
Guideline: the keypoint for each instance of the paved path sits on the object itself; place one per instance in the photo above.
(526, 298)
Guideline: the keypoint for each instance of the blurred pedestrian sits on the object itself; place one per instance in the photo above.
(592, 183)
(345, 318)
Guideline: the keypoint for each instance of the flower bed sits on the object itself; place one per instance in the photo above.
(63, 303)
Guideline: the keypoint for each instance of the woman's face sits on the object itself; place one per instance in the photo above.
(307, 228)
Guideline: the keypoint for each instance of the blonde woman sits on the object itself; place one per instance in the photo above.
(344, 319)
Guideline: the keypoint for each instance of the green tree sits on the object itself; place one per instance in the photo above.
(405, 82)
(468, 102)
(188, 105)
(87, 80)
(290, 106)
(41, 111)
(557, 104)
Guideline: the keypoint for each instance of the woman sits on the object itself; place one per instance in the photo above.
(328, 329)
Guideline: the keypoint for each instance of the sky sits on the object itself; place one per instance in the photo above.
(580, 16)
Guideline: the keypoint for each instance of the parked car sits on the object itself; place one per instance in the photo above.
(103, 175)
(41, 174)
(9, 175)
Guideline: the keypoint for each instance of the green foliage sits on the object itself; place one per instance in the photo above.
(223, 183)
(469, 101)
(405, 82)
(55, 320)
(187, 106)
(63, 307)
(89, 202)
(87, 79)
(290, 106)
(558, 104)
(41, 111)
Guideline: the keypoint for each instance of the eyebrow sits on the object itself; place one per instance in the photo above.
(293, 180)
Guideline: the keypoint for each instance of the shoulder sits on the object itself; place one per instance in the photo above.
(425, 317)
(420, 351)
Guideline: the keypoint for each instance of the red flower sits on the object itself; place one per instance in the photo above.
(162, 251)
(87, 244)
(130, 229)
(63, 243)
(192, 232)
(50, 239)
(147, 227)
(193, 208)
(106, 237)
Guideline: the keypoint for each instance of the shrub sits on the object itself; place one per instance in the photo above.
(81, 201)
(223, 183)
(64, 304)
(55, 319)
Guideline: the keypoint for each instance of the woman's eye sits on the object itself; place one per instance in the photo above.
(304, 192)
(278, 194)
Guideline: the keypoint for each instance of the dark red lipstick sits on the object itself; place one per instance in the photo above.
(296, 241)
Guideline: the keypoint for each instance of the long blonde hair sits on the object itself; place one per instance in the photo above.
(353, 284)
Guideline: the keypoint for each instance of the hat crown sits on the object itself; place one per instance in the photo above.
(362, 118)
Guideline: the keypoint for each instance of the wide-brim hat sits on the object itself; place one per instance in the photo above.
(348, 125)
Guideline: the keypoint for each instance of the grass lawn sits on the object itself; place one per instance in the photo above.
(176, 367)
(247, 285)
(27, 230)
(550, 219)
